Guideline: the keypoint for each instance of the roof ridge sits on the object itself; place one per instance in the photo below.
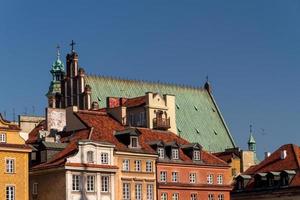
(296, 153)
(177, 85)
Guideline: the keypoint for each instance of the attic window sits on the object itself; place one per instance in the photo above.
(175, 154)
(196, 155)
(90, 157)
(177, 106)
(196, 108)
(215, 132)
(99, 99)
(179, 130)
(197, 130)
(161, 153)
(213, 109)
(134, 142)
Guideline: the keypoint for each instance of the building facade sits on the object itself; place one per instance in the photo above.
(13, 163)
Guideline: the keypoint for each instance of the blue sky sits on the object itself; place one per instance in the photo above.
(249, 49)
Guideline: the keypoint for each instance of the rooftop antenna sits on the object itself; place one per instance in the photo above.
(14, 115)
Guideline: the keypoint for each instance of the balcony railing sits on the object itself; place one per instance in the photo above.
(161, 123)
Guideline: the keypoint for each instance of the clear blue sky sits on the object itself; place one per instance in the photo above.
(249, 49)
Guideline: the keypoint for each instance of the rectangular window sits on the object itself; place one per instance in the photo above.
(138, 191)
(211, 197)
(175, 196)
(10, 165)
(126, 191)
(221, 197)
(126, 165)
(90, 183)
(175, 154)
(174, 176)
(34, 188)
(143, 118)
(192, 178)
(134, 142)
(104, 158)
(2, 138)
(161, 153)
(164, 196)
(163, 176)
(220, 179)
(150, 192)
(104, 183)
(90, 157)
(193, 196)
(137, 165)
(10, 193)
(210, 179)
(75, 182)
(148, 166)
(196, 155)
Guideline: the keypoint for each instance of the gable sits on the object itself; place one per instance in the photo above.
(197, 116)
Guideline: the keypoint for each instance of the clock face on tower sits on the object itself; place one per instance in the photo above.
(56, 119)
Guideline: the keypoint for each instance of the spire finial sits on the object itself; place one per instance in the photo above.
(206, 79)
(250, 128)
(72, 45)
(58, 52)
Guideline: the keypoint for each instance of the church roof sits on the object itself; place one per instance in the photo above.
(198, 118)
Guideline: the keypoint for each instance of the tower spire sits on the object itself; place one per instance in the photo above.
(251, 141)
(58, 52)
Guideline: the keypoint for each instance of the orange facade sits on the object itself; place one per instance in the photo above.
(193, 182)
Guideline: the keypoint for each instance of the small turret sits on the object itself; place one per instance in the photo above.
(251, 141)
(58, 74)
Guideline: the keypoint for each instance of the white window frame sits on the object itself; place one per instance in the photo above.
(90, 183)
(2, 137)
(10, 165)
(192, 177)
(149, 166)
(138, 165)
(104, 158)
(211, 197)
(175, 196)
(90, 157)
(163, 176)
(131, 142)
(161, 153)
(105, 182)
(164, 196)
(194, 196)
(210, 179)
(220, 179)
(126, 191)
(76, 182)
(10, 192)
(175, 154)
(35, 188)
(138, 191)
(150, 191)
(126, 165)
(196, 155)
(175, 177)
(221, 197)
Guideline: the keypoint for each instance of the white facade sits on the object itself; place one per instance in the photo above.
(91, 172)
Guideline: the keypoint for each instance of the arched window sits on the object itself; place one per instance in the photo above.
(90, 156)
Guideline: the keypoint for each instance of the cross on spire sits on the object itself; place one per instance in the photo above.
(58, 52)
(72, 45)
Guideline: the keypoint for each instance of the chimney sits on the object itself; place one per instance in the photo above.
(267, 154)
(95, 105)
(283, 154)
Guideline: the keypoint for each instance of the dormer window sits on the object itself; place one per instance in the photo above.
(134, 142)
(2, 138)
(196, 155)
(90, 156)
(175, 154)
(161, 153)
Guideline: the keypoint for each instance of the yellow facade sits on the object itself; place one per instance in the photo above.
(133, 177)
(12, 147)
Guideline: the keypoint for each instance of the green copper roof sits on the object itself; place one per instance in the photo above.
(197, 116)
(58, 66)
(251, 139)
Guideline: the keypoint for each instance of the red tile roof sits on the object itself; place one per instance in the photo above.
(33, 135)
(19, 146)
(102, 127)
(226, 156)
(134, 102)
(274, 163)
(10, 125)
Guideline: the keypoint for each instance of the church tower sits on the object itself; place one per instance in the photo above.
(74, 90)
(58, 72)
(251, 141)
